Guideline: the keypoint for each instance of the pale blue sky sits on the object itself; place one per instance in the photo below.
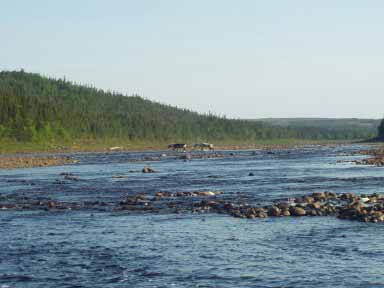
(244, 59)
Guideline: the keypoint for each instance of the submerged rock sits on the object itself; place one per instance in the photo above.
(148, 170)
(71, 178)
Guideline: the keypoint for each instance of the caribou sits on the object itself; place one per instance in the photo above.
(203, 146)
(177, 146)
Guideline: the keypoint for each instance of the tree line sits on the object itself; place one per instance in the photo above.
(34, 108)
(380, 134)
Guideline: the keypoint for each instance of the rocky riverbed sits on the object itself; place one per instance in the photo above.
(376, 159)
(364, 208)
(252, 218)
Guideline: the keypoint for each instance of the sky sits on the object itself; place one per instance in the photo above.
(242, 59)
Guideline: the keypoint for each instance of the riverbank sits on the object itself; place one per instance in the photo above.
(27, 155)
(110, 145)
(15, 161)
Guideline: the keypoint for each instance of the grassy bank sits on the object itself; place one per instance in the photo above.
(100, 145)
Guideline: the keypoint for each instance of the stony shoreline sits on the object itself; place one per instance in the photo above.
(9, 162)
(28, 161)
(124, 147)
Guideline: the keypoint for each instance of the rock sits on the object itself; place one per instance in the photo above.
(309, 199)
(347, 196)
(261, 212)
(364, 208)
(365, 199)
(159, 194)
(115, 148)
(213, 204)
(187, 156)
(51, 204)
(330, 195)
(72, 178)
(356, 205)
(283, 205)
(251, 174)
(141, 197)
(312, 213)
(285, 212)
(205, 193)
(66, 174)
(274, 211)
(297, 211)
(148, 170)
(320, 213)
(315, 205)
(262, 215)
(228, 206)
(319, 196)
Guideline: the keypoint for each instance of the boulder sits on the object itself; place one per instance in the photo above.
(297, 211)
(315, 205)
(285, 212)
(274, 211)
(283, 205)
(309, 199)
(205, 193)
(319, 196)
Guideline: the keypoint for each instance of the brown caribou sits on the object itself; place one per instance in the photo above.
(177, 146)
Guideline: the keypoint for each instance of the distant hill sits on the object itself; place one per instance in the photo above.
(324, 122)
(34, 108)
(349, 127)
(380, 134)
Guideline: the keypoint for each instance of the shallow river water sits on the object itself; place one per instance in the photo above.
(107, 248)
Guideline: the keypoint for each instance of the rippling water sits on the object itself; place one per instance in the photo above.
(105, 248)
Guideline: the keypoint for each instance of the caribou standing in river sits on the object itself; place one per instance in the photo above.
(177, 146)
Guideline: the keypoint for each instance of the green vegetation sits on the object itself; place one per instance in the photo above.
(336, 128)
(39, 112)
(380, 129)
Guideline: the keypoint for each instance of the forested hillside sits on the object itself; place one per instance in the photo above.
(380, 135)
(35, 108)
(344, 127)
(39, 109)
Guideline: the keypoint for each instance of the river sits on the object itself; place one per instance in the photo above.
(102, 247)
